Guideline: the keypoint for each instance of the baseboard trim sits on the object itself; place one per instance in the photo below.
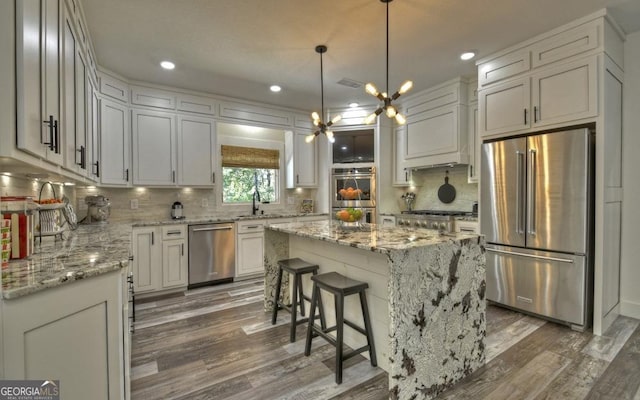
(630, 309)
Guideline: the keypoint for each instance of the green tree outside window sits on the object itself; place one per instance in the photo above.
(239, 184)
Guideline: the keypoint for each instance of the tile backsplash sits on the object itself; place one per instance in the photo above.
(155, 203)
(18, 186)
(428, 181)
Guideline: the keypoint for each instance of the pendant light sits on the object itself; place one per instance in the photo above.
(317, 119)
(390, 110)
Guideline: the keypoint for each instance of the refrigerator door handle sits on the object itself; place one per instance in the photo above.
(532, 192)
(520, 192)
(513, 253)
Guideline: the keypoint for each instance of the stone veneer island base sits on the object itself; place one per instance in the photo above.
(426, 295)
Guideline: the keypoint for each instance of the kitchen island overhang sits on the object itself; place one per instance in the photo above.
(427, 295)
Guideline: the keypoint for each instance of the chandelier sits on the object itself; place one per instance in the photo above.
(390, 110)
(317, 119)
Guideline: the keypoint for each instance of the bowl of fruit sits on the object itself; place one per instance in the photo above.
(350, 193)
(349, 216)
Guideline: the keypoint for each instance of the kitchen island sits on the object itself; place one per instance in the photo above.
(426, 295)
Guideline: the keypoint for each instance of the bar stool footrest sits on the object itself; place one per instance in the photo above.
(355, 352)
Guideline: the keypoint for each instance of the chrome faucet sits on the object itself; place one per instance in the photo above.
(255, 208)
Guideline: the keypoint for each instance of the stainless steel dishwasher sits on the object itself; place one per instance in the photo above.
(212, 253)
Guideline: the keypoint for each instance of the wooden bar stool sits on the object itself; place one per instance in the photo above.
(296, 267)
(340, 286)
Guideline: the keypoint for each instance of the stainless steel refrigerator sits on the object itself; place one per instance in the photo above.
(536, 215)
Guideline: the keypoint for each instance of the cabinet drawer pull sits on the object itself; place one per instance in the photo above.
(174, 232)
(252, 227)
(224, 228)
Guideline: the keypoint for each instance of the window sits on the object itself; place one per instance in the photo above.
(246, 170)
(240, 183)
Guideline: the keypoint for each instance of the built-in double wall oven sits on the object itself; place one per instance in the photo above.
(354, 187)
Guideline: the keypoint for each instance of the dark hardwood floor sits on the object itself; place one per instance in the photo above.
(218, 343)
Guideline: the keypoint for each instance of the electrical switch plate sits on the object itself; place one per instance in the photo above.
(204, 203)
(134, 204)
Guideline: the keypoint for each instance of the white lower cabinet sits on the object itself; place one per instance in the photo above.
(147, 255)
(249, 248)
(160, 259)
(74, 333)
(174, 256)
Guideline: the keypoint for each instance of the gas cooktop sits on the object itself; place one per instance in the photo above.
(434, 219)
(439, 212)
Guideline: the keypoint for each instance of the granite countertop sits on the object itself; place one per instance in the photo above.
(91, 250)
(88, 251)
(378, 238)
(222, 218)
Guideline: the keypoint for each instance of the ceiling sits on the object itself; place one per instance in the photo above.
(239, 48)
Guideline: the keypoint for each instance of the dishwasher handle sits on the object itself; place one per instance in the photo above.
(213, 228)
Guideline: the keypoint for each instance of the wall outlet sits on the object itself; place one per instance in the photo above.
(204, 203)
(134, 204)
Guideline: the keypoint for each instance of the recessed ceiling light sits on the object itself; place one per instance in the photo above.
(167, 65)
(467, 55)
(353, 105)
(275, 88)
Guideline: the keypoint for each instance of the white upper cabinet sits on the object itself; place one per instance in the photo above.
(114, 88)
(473, 171)
(196, 157)
(565, 92)
(153, 98)
(504, 67)
(75, 99)
(38, 79)
(196, 104)
(301, 159)
(154, 143)
(550, 81)
(436, 129)
(252, 113)
(115, 151)
(506, 107)
(401, 174)
(93, 120)
(556, 94)
(570, 43)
